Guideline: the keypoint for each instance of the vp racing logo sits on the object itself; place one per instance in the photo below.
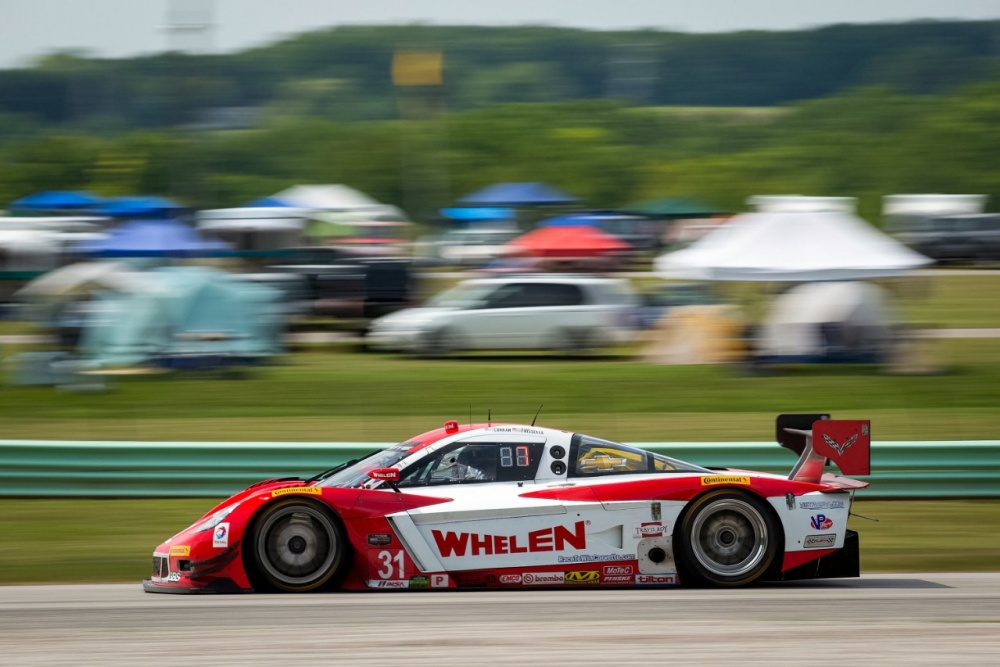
(840, 449)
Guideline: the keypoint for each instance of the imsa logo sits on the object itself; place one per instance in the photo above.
(583, 577)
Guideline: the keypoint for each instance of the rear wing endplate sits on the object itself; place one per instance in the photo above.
(817, 440)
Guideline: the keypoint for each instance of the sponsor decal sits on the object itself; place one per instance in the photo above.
(822, 504)
(821, 522)
(819, 541)
(173, 577)
(469, 578)
(180, 551)
(509, 579)
(220, 535)
(557, 538)
(301, 490)
(613, 570)
(617, 579)
(439, 581)
(650, 529)
(541, 578)
(595, 558)
(382, 583)
(379, 539)
(583, 577)
(656, 579)
(725, 479)
(419, 582)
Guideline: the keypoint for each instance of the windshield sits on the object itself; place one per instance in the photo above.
(465, 295)
(357, 474)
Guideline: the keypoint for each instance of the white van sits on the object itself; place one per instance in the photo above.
(536, 312)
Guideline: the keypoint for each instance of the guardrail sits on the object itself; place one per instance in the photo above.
(30, 468)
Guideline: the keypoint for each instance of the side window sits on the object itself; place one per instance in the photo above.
(476, 462)
(513, 295)
(590, 456)
(555, 294)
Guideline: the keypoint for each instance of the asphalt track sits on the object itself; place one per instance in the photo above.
(912, 619)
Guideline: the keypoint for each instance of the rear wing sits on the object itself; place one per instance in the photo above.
(817, 439)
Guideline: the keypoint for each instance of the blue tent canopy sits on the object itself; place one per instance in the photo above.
(56, 200)
(482, 214)
(267, 202)
(518, 194)
(138, 207)
(592, 219)
(152, 238)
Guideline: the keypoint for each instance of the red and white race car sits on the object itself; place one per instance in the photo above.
(508, 506)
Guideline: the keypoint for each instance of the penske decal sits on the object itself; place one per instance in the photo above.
(302, 490)
(557, 538)
(180, 551)
(725, 479)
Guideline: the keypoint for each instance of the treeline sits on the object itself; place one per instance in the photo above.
(344, 73)
(865, 143)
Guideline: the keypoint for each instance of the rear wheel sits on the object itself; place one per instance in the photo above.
(729, 538)
(297, 547)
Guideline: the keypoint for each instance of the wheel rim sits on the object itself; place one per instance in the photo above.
(729, 538)
(297, 545)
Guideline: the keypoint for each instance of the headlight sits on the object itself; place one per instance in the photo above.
(216, 518)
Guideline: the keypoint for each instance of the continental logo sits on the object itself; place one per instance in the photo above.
(587, 577)
(297, 490)
(725, 479)
(180, 551)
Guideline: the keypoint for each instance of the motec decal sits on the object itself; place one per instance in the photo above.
(725, 479)
(297, 490)
(557, 538)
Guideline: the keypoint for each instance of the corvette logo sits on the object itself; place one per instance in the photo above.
(840, 448)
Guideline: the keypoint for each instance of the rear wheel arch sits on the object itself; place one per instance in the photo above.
(696, 563)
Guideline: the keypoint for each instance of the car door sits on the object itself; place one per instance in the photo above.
(486, 523)
(501, 321)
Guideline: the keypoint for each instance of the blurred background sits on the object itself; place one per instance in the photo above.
(306, 222)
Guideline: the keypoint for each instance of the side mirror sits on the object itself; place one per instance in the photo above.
(390, 475)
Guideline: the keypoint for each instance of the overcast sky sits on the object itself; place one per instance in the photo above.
(115, 28)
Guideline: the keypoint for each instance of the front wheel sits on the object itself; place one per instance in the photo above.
(729, 538)
(297, 547)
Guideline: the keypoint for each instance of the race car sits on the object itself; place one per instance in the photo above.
(503, 505)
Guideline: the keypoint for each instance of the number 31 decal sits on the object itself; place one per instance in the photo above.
(392, 564)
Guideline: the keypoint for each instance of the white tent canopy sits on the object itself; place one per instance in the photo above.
(327, 198)
(792, 245)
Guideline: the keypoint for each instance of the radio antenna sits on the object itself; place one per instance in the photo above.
(489, 417)
(470, 414)
(537, 413)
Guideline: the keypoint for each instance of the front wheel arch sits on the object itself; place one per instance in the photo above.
(712, 549)
(271, 577)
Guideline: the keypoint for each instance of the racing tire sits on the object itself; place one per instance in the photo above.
(728, 538)
(296, 546)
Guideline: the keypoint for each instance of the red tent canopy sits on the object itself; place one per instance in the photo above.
(583, 241)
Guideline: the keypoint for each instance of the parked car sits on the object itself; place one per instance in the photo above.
(532, 312)
(972, 237)
(474, 247)
(507, 506)
(353, 288)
